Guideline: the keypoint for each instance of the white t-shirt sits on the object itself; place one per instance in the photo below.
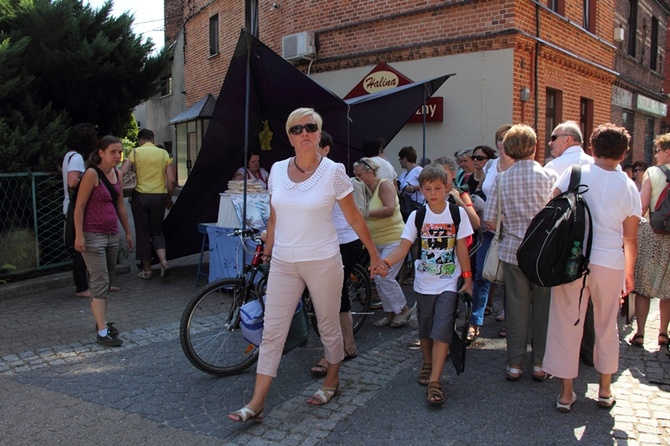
(612, 197)
(491, 174)
(411, 178)
(304, 228)
(72, 162)
(386, 169)
(438, 269)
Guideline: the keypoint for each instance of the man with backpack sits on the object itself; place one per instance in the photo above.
(614, 204)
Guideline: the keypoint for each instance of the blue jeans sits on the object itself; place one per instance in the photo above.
(480, 286)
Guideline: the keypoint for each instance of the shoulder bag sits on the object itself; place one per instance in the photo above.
(492, 266)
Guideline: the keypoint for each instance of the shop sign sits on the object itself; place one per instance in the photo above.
(383, 77)
(651, 106)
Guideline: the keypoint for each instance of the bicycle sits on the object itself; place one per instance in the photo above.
(210, 331)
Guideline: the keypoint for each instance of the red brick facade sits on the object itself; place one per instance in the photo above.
(551, 51)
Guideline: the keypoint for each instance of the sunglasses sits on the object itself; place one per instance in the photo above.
(555, 137)
(309, 128)
(639, 170)
(479, 158)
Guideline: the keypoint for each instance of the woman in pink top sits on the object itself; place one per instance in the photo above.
(99, 205)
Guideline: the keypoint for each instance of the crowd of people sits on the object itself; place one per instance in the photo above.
(321, 221)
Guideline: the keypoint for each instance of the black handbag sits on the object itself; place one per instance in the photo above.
(407, 204)
(68, 231)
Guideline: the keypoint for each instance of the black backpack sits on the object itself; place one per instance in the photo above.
(659, 218)
(548, 247)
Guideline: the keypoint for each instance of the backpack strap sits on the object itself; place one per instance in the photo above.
(108, 185)
(575, 176)
(666, 171)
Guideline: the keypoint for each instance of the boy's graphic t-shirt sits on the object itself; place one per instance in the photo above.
(438, 269)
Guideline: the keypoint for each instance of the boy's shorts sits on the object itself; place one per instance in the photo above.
(435, 314)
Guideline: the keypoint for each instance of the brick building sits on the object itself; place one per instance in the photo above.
(638, 98)
(515, 60)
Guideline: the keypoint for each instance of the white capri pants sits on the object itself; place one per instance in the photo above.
(286, 282)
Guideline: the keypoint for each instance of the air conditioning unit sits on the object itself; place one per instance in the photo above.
(298, 46)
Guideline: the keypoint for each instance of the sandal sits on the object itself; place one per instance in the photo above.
(348, 356)
(637, 340)
(514, 372)
(606, 403)
(114, 289)
(165, 269)
(435, 395)
(146, 275)
(324, 395)
(84, 294)
(319, 369)
(473, 332)
(565, 408)
(383, 322)
(539, 375)
(502, 333)
(662, 339)
(424, 374)
(246, 414)
(488, 309)
(400, 319)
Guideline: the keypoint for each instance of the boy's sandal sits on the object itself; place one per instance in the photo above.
(247, 414)
(513, 373)
(472, 335)
(324, 395)
(435, 395)
(424, 374)
(637, 340)
(539, 375)
(662, 339)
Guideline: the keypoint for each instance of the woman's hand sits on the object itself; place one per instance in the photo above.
(129, 243)
(457, 197)
(381, 270)
(79, 243)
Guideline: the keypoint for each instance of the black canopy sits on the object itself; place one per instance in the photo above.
(276, 89)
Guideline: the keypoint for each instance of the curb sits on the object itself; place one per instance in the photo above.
(41, 284)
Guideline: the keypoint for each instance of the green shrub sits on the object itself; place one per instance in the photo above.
(17, 249)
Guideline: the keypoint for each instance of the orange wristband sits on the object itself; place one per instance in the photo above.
(466, 274)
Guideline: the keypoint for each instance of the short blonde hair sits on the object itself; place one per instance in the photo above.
(300, 113)
(367, 164)
(520, 141)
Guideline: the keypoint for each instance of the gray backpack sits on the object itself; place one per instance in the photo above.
(660, 216)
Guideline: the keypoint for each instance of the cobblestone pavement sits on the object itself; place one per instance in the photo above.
(59, 387)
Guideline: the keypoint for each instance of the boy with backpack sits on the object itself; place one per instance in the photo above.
(443, 258)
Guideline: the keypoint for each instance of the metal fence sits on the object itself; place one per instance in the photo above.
(31, 223)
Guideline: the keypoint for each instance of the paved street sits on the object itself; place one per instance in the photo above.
(59, 387)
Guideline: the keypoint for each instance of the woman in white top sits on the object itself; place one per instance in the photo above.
(255, 172)
(408, 180)
(303, 244)
(652, 271)
(614, 203)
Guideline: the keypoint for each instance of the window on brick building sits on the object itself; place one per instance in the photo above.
(586, 119)
(589, 15)
(653, 54)
(214, 35)
(632, 27)
(649, 124)
(558, 6)
(628, 122)
(552, 116)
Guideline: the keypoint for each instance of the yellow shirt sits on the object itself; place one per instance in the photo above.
(388, 229)
(150, 163)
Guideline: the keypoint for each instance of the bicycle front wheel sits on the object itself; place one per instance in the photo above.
(360, 293)
(210, 331)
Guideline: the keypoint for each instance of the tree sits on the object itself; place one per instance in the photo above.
(62, 62)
